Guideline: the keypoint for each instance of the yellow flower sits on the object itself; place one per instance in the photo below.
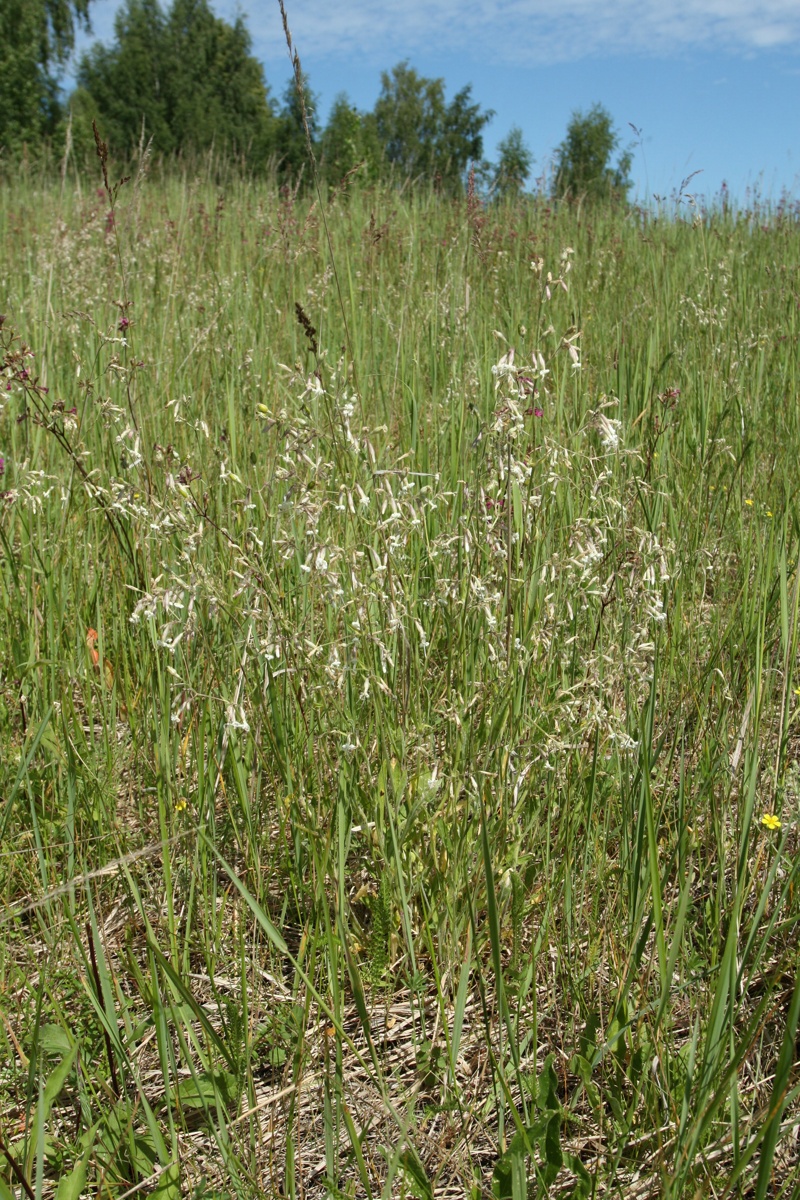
(749, 503)
(180, 804)
(769, 512)
(770, 821)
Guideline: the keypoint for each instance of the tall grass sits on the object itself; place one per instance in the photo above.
(399, 735)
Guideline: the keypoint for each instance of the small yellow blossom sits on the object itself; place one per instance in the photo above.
(769, 512)
(797, 691)
(749, 503)
(180, 804)
(770, 821)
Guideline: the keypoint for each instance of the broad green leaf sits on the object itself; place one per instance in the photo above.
(416, 1175)
(54, 1039)
(169, 1184)
(56, 1081)
(71, 1186)
(206, 1089)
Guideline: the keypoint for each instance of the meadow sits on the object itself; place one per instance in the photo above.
(399, 703)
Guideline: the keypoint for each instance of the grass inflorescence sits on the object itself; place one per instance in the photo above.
(399, 743)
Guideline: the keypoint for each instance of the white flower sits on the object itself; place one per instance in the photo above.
(234, 720)
(609, 431)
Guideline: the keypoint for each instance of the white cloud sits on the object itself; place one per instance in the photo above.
(526, 32)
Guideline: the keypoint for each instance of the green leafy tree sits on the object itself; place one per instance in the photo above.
(420, 134)
(58, 20)
(348, 141)
(36, 36)
(184, 77)
(583, 160)
(291, 144)
(126, 86)
(220, 96)
(514, 165)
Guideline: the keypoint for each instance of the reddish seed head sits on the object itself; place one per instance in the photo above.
(91, 642)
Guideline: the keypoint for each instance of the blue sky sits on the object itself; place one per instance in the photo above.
(713, 85)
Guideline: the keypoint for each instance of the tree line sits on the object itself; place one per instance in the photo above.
(183, 80)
